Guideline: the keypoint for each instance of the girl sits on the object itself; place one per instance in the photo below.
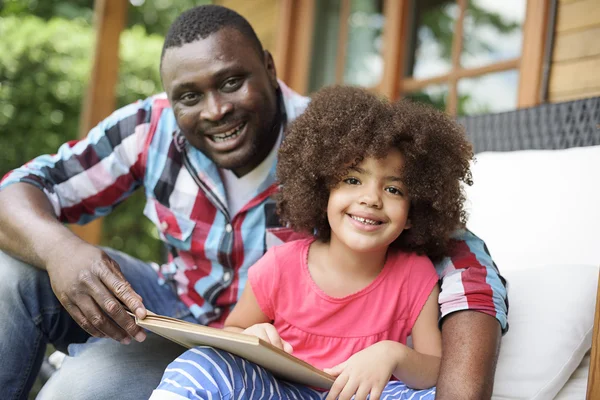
(378, 189)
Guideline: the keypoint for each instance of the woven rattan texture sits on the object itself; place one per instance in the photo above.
(548, 126)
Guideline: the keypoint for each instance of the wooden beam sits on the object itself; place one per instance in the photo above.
(593, 387)
(532, 53)
(100, 102)
(395, 32)
(340, 59)
(294, 43)
(457, 45)
(412, 85)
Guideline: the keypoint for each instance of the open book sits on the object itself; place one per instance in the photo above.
(278, 362)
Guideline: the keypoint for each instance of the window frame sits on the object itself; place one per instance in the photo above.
(295, 50)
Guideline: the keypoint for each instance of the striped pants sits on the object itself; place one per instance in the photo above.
(207, 373)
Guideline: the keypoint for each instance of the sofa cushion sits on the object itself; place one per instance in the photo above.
(551, 321)
(537, 207)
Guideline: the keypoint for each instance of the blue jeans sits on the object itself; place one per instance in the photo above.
(31, 316)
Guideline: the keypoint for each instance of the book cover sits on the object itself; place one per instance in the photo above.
(253, 349)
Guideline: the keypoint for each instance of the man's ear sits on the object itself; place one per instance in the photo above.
(270, 66)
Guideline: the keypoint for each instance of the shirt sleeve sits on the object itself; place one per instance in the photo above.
(87, 178)
(471, 280)
(263, 277)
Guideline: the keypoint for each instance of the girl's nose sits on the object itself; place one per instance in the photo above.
(371, 198)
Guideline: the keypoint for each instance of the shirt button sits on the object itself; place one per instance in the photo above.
(218, 310)
(164, 226)
(228, 228)
(226, 276)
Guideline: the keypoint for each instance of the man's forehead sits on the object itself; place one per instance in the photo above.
(223, 45)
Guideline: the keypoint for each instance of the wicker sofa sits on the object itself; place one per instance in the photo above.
(535, 202)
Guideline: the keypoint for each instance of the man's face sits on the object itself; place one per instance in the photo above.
(223, 94)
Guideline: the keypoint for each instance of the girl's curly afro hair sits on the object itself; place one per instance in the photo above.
(342, 126)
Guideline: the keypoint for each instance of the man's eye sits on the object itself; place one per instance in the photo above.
(395, 191)
(352, 181)
(232, 84)
(189, 97)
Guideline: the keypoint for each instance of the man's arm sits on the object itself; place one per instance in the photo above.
(30, 229)
(474, 308)
(470, 343)
(71, 186)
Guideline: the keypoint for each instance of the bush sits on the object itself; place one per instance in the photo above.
(44, 67)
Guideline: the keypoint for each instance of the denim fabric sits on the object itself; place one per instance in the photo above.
(31, 316)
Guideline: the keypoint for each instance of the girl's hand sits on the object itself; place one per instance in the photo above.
(365, 373)
(268, 333)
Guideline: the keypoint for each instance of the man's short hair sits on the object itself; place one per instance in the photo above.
(200, 22)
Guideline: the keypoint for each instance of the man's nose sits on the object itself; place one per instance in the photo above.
(215, 108)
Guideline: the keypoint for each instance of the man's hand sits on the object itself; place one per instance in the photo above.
(365, 373)
(269, 334)
(91, 287)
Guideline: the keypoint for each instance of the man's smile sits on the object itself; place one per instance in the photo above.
(229, 134)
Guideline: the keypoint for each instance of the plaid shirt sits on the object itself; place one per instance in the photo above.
(210, 250)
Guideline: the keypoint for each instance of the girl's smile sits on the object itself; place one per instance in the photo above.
(366, 223)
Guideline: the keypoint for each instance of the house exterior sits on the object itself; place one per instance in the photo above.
(464, 56)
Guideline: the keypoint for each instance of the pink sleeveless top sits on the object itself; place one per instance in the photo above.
(326, 331)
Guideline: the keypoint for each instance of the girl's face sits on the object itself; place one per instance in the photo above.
(368, 209)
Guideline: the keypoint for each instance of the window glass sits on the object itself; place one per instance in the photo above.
(435, 95)
(364, 60)
(492, 31)
(489, 93)
(430, 40)
(325, 44)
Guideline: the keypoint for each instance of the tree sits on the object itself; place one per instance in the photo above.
(44, 67)
(154, 15)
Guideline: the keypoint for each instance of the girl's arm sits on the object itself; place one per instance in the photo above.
(419, 368)
(246, 312)
(247, 317)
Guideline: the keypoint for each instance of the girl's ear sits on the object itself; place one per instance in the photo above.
(408, 224)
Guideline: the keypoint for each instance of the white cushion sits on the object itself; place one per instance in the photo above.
(576, 386)
(537, 207)
(551, 322)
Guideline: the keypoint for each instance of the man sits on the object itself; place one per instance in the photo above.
(204, 153)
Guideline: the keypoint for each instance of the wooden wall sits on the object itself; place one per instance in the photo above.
(263, 15)
(575, 70)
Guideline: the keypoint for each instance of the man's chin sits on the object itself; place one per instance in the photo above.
(239, 164)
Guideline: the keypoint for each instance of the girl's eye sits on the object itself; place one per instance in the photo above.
(394, 191)
(352, 181)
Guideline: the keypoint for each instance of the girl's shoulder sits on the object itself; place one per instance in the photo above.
(287, 254)
(291, 248)
(408, 263)
(398, 256)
